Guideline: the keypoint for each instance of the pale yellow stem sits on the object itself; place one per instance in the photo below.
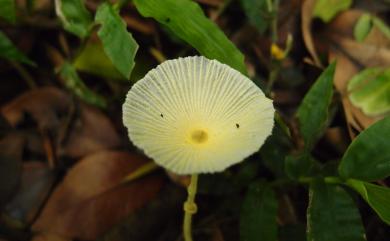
(190, 207)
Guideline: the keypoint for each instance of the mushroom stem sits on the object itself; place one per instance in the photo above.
(190, 207)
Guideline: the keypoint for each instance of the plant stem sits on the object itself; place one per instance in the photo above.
(190, 207)
(273, 75)
(329, 180)
(274, 22)
(120, 4)
(275, 64)
(24, 74)
(333, 180)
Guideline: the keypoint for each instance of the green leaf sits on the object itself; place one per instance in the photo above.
(332, 215)
(257, 13)
(76, 85)
(275, 149)
(362, 27)
(74, 16)
(258, 214)
(368, 156)
(370, 91)
(10, 52)
(292, 232)
(312, 114)
(118, 43)
(8, 10)
(187, 20)
(327, 9)
(376, 196)
(93, 60)
(218, 184)
(382, 26)
(298, 165)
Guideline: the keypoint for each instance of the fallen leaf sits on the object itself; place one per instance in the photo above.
(215, 3)
(77, 129)
(49, 237)
(41, 6)
(42, 104)
(138, 225)
(91, 198)
(140, 25)
(92, 131)
(306, 20)
(353, 56)
(36, 181)
(180, 180)
(217, 234)
(11, 149)
(337, 138)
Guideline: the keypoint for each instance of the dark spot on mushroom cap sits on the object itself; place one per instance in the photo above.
(162, 115)
(237, 125)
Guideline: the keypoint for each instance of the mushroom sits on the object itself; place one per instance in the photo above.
(193, 115)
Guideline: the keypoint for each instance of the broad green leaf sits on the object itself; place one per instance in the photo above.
(298, 165)
(218, 184)
(292, 232)
(118, 43)
(74, 16)
(376, 196)
(258, 214)
(312, 114)
(187, 20)
(10, 52)
(327, 9)
(8, 10)
(76, 85)
(362, 27)
(258, 13)
(370, 91)
(222, 184)
(332, 215)
(382, 26)
(275, 149)
(368, 156)
(93, 60)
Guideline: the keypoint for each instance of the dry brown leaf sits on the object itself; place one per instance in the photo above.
(76, 131)
(42, 104)
(91, 198)
(215, 3)
(139, 25)
(49, 237)
(36, 182)
(11, 150)
(37, 6)
(181, 180)
(337, 138)
(306, 19)
(92, 131)
(351, 58)
(368, 55)
(217, 234)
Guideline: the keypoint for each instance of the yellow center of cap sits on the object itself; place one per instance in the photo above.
(199, 136)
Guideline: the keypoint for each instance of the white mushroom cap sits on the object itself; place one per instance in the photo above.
(195, 115)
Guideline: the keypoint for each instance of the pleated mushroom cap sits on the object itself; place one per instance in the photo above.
(195, 115)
